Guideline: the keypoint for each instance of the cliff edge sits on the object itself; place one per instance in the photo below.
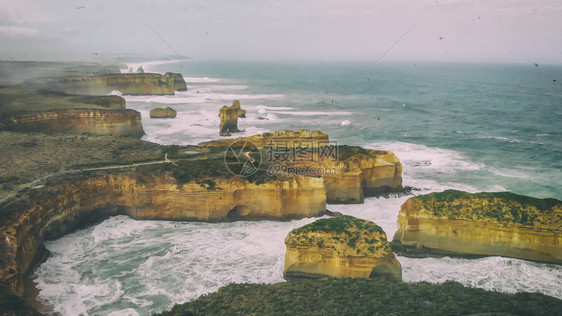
(344, 246)
(480, 224)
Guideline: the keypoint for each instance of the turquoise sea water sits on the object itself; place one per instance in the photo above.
(462, 126)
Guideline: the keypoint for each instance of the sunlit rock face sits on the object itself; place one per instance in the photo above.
(85, 199)
(128, 84)
(343, 246)
(350, 173)
(93, 121)
(480, 224)
(365, 173)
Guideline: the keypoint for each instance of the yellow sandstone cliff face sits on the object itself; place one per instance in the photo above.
(368, 174)
(344, 247)
(95, 121)
(495, 224)
(61, 208)
(129, 84)
(348, 177)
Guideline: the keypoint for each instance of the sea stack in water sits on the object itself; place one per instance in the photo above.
(480, 224)
(166, 112)
(345, 247)
(229, 118)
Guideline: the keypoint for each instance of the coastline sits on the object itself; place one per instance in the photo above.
(125, 152)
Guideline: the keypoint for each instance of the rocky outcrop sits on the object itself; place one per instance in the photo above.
(350, 173)
(229, 118)
(94, 121)
(365, 173)
(343, 247)
(128, 84)
(480, 224)
(166, 112)
(65, 204)
(285, 138)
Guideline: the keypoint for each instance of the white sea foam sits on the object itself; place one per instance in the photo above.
(201, 79)
(492, 273)
(345, 123)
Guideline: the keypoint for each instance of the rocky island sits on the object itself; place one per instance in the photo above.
(480, 224)
(58, 103)
(166, 112)
(229, 118)
(343, 246)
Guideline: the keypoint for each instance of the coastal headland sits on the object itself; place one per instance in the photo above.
(481, 224)
(55, 178)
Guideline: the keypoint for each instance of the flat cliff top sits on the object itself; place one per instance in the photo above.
(261, 139)
(14, 100)
(27, 157)
(502, 207)
(361, 296)
(347, 235)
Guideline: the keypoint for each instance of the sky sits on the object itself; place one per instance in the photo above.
(512, 31)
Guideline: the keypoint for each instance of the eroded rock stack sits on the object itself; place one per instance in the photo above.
(166, 112)
(345, 246)
(229, 118)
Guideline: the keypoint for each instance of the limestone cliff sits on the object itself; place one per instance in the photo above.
(287, 138)
(365, 173)
(67, 203)
(343, 246)
(166, 112)
(350, 173)
(481, 224)
(129, 84)
(229, 118)
(94, 121)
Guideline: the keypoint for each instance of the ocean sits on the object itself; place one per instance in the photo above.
(471, 127)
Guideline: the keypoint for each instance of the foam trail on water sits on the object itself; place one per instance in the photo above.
(492, 273)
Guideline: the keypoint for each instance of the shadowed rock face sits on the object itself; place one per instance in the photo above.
(60, 208)
(166, 112)
(94, 121)
(343, 247)
(480, 224)
(128, 84)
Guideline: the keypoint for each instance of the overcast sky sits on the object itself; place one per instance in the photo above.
(523, 31)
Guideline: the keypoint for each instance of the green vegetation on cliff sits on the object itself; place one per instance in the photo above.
(338, 225)
(380, 296)
(360, 236)
(505, 207)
